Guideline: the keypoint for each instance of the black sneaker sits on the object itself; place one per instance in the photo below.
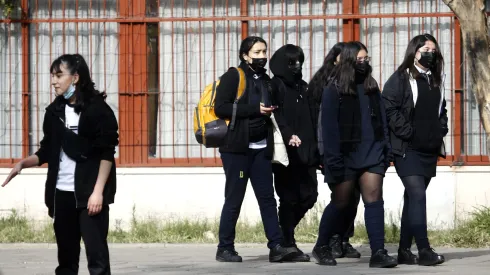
(381, 259)
(280, 254)
(428, 257)
(405, 256)
(323, 255)
(335, 244)
(228, 255)
(349, 251)
(441, 259)
(300, 256)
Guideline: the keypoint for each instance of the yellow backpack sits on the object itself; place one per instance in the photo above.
(209, 129)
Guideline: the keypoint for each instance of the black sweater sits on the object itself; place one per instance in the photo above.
(368, 151)
(237, 141)
(96, 140)
(428, 135)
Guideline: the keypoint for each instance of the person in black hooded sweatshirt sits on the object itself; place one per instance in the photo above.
(296, 185)
(356, 151)
(247, 151)
(417, 118)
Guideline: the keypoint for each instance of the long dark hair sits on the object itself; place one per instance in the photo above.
(409, 61)
(321, 78)
(85, 87)
(247, 45)
(344, 74)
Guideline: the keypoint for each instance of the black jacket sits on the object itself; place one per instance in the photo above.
(398, 99)
(96, 140)
(294, 115)
(237, 140)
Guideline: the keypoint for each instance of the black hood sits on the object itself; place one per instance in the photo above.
(279, 66)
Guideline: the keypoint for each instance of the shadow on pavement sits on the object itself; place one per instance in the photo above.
(467, 254)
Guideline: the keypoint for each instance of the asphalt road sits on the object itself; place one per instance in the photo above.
(26, 259)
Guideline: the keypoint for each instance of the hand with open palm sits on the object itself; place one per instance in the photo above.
(14, 172)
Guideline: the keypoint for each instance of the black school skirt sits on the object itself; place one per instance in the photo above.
(416, 164)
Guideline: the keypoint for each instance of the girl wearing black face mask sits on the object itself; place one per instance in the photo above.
(356, 151)
(417, 118)
(247, 151)
(296, 184)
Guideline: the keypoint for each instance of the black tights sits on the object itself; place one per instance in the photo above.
(414, 215)
(351, 213)
(335, 219)
(370, 185)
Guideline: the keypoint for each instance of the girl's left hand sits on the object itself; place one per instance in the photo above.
(295, 141)
(94, 205)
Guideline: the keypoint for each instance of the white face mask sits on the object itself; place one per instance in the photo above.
(69, 93)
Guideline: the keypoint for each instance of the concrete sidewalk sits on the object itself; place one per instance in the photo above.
(26, 259)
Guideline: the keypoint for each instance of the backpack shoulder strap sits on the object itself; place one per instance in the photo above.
(242, 83)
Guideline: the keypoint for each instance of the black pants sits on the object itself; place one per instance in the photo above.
(238, 169)
(72, 224)
(297, 188)
(414, 215)
(351, 213)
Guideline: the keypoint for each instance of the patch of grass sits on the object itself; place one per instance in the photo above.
(17, 229)
(473, 232)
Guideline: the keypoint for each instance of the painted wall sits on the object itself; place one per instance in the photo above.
(166, 193)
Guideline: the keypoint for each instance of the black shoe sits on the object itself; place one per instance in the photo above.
(280, 254)
(405, 256)
(228, 255)
(323, 255)
(428, 257)
(349, 251)
(335, 244)
(300, 256)
(441, 259)
(381, 259)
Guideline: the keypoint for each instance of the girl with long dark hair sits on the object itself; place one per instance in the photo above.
(356, 151)
(80, 136)
(339, 242)
(417, 119)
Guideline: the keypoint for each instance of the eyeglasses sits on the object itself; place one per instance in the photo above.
(363, 59)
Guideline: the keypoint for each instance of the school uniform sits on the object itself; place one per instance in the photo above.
(421, 154)
(418, 123)
(348, 153)
(73, 146)
(246, 154)
(355, 139)
(339, 242)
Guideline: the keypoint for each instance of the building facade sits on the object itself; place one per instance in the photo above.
(154, 57)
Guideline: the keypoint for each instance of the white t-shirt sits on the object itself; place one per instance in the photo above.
(66, 173)
(258, 145)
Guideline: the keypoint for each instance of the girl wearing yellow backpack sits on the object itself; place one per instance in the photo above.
(247, 150)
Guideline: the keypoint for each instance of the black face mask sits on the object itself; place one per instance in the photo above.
(296, 68)
(362, 69)
(427, 59)
(258, 63)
